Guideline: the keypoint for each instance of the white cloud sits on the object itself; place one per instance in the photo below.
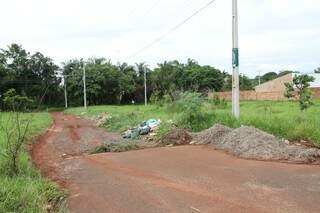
(274, 35)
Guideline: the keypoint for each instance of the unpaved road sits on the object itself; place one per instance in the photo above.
(169, 179)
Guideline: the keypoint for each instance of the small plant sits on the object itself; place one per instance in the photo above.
(304, 95)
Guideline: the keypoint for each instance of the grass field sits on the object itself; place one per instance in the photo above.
(28, 191)
(283, 119)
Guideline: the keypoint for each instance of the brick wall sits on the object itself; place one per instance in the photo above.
(253, 95)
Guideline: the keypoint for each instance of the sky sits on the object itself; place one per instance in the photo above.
(274, 35)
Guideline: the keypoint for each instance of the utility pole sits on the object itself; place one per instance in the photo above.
(259, 77)
(235, 62)
(84, 86)
(65, 91)
(145, 86)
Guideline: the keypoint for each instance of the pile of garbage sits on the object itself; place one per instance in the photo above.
(252, 143)
(144, 128)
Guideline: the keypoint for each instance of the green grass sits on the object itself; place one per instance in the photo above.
(283, 119)
(28, 191)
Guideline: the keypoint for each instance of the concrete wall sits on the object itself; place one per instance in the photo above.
(276, 85)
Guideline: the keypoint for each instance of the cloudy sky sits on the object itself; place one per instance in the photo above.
(273, 34)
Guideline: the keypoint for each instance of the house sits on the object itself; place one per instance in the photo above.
(277, 86)
(272, 90)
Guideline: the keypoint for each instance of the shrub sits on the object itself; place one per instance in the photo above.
(302, 83)
(14, 102)
(191, 115)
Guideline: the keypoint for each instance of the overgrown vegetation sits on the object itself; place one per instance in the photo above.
(301, 83)
(22, 189)
(282, 119)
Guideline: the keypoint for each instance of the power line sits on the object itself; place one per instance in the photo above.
(172, 29)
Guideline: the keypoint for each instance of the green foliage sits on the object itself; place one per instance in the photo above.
(282, 119)
(191, 115)
(289, 93)
(14, 102)
(219, 102)
(302, 83)
(27, 191)
(317, 70)
(31, 75)
(244, 82)
(122, 146)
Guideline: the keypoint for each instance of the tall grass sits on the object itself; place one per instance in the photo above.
(28, 191)
(283, 119)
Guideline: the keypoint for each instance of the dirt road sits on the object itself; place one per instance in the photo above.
(169, 179)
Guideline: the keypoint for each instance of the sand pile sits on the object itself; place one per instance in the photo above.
(252, 143)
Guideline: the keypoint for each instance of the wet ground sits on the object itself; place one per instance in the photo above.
(168, 179)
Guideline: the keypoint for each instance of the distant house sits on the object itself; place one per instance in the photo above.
(277, 85)
(272, 90)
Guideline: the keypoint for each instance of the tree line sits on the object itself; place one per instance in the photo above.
(37, 77)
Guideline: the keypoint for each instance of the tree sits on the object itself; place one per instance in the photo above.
(268, 77)
(304, 94)
(244, 82)
(285, 72)
(317, 70)
(29, 74)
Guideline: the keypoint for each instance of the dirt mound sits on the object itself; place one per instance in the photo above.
(176, 137)
(252, 143)
(213, 135)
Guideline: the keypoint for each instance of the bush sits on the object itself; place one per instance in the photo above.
(191, 115)
(304, 94)
(14, 102)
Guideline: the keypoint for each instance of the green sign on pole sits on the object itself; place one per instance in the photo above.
(235, 57)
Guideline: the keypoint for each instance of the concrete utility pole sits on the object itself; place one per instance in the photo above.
(65, 91)
(259, 77)
(235, 61)
(84, 86)
(145, 86)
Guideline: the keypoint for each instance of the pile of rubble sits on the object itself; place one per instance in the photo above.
(252, 143)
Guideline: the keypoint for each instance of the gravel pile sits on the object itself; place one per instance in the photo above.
(252, 143)
(213, 135)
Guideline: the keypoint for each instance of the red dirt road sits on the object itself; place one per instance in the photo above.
(169, 179)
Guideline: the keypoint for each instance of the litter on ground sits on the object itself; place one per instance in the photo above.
(143, 129)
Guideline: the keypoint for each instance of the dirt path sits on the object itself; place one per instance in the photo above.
(169, 179)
